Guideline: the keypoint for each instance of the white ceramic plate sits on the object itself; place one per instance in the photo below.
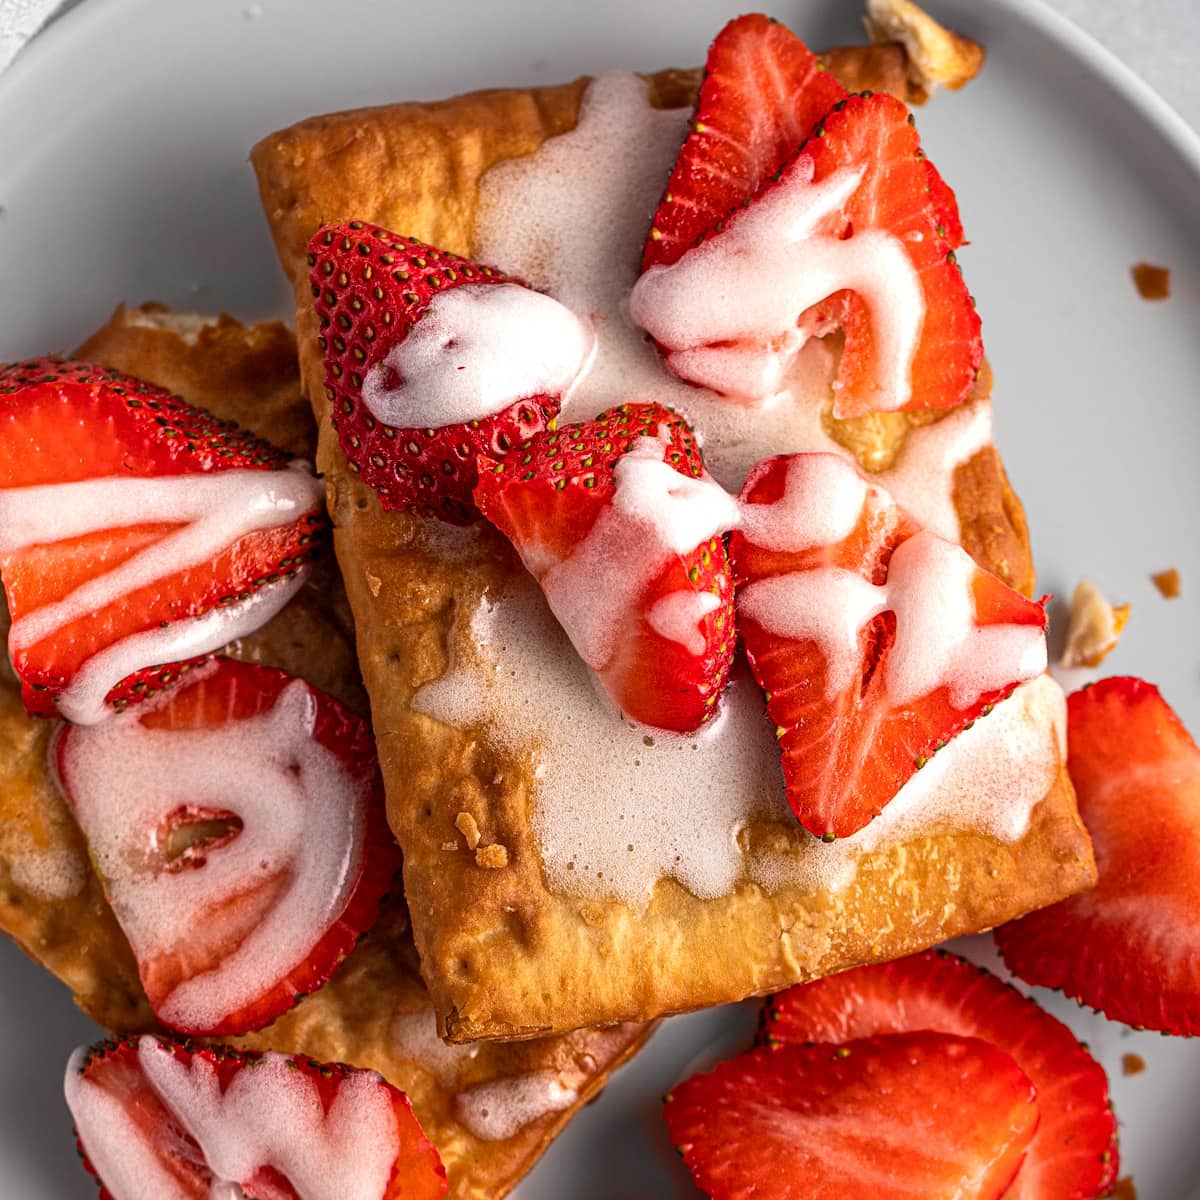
(123, 139)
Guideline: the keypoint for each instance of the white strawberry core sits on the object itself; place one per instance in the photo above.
(656, 513)
(270, 1115)
(476, 351)
(293, 864)
(729, 311)
(210, 511)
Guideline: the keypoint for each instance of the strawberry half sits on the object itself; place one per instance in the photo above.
(922, 1115)
(875, 641)
(154, 1118)
(1131, 946)
(1073, 1155)
(856, 232)
(485, 371)
(237, 826)
(113, 562)
(763, 91)
(617, 520)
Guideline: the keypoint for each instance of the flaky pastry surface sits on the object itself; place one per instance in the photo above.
(52, 904)
(502, 955)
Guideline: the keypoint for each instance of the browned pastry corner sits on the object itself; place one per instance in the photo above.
(504, 957)
(52, 904)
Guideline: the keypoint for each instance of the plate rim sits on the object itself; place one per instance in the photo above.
(1183, 138)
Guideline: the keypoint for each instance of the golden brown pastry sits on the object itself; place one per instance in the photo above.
(375, 1011)
(511, 951)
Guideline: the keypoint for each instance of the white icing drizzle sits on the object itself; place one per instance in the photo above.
(301, 841)
(571, 219)
(618, 807)
(677, 618)
(747, 288)
(477, 350)
(821, 503)
(928, 587)
(82, 701)
(497, 1110)
(415, 1038)
(656, 513)
(211, 511)
(270, 1115)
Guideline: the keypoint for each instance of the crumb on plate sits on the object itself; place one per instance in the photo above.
(1093, 628)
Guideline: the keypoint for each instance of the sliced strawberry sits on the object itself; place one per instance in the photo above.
(154, 1118)
(68, 428)
(371, 288)
(855, 233)
(762, 93)
(1130, 947)
(875, 642)
(921, 1115)
(237, 825)
(618, 522)
(1073, 1155)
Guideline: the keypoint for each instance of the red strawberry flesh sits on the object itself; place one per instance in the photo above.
(856, 721)
(78, 425)
(1131, 946)
(856, 233)
(654, 620)
(370, 288)
(1073, 1155)
(921, 1115)
(762, 93)
(156, 1118)
(236, 903)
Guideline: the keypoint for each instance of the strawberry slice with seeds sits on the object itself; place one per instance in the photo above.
(136, 534)
(762, 93)
(618, 522)
(1073, 1155)
(875, 641)
(237, 900)
(432, 360)
(855, 233)
(1131, 946)
(921, 1115)
(157, 1118)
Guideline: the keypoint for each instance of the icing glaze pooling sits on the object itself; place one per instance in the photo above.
(268, 1116)
(601, 837)
(212, 511)
(477, 350)
(729, 311)
(571, 219)
(300, 840)
(497, 1110)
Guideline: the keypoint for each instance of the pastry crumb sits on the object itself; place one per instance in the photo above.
(493, 857)
(937, 56)
(449, 845)
(1124, 1189)
(469, 828)
(374, 583)
(1152, 283)
(1093, 628)
(1167, 583)
(1132, 1064)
